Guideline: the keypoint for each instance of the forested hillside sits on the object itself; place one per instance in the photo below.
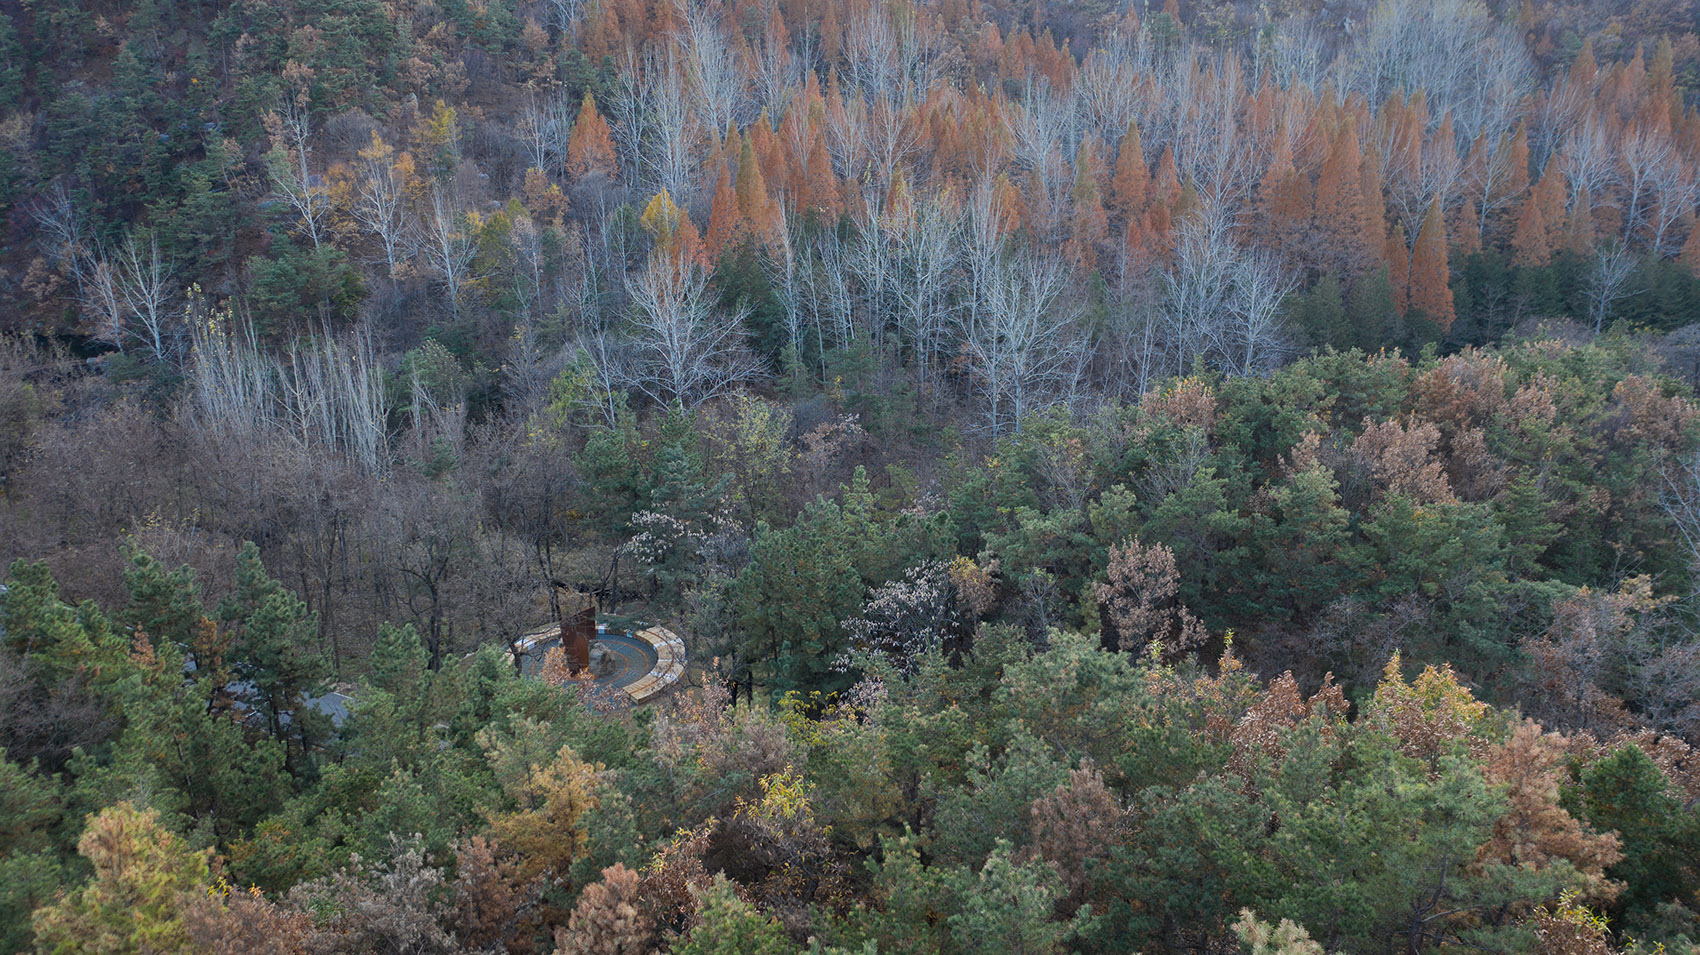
(1189, 479)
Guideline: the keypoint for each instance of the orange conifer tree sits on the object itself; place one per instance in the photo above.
(1166, 184)
(760, 212)
(1690, 255)
(820, 185)
(1131, 185)
(1339, 219)
(1283, 202)
(1430, 281)
(590, 148)
(1578, 235)
(1467, 228)
(725, 222)
(1541, 217)
(1089, 228)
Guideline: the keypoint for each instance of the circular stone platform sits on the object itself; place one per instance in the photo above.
(646, 661)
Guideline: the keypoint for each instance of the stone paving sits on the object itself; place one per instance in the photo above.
(669, 664)
(631, 650)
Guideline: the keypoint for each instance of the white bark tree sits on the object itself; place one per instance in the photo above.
(543, 128)
(289, 166)
(1587, 161)
(380, 205)
(656, 125)
(448, 247)
(102, 298)
(1676, 190)
(1609, 280)
(145, 283)
(1256, 341)
(1466, 62)
(717, 82)
(928, 252)
(687, 350)
(1022, 340)
(1196, 291)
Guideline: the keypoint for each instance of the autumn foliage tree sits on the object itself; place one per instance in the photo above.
(590, 148)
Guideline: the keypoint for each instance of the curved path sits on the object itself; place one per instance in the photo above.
(647, 661)
(669, 663)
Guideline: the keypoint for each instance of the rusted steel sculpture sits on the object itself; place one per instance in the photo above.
(578, 629)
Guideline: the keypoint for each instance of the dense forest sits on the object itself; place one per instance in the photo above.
(1192, 478)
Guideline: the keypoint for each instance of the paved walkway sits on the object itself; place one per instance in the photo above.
(647, 661)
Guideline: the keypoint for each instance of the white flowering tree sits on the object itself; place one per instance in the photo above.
(904, 618)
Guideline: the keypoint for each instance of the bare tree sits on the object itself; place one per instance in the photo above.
(813, 283)
(543, 127)
(1043, 126)
(1022, 340)
(785, 272)
(1588, 162)
(1608, 281)
(64, 231)
(1196, 290)
(1109, 88)
(686, 349)
(613, 366)
(1676, 189)
(892, 141)
(448, 247)
(778, 74)
(870, 54)
(1467, 63)
(929, 257)
(232, 384)
(655, 124)
(99, 284)
(1297, 54)
(564, 15)
(333, 399)
(144, 280)
(1210, 140)
(380, 206)
(717, 83)
(1646, 154)
(288, 165)
(1256, 341)
(874, 261)
(102, 297)
(1489, 177)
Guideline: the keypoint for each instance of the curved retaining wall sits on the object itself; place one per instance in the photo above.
(669, 658)
(669, 664)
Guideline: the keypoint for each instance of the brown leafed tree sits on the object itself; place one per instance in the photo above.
(246, 923)
(1430, 289)
(1088, 228)
(611, 918)
(757, 208)
(1131, 186)
(590, 149)
(1139, 599)
(726, 224)
(1539, 222)
(1690, 255)
(493, 906)
(1074, 828)
(1338, 221)
(1536, 832)
(1398, 256)
(1401, 459)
